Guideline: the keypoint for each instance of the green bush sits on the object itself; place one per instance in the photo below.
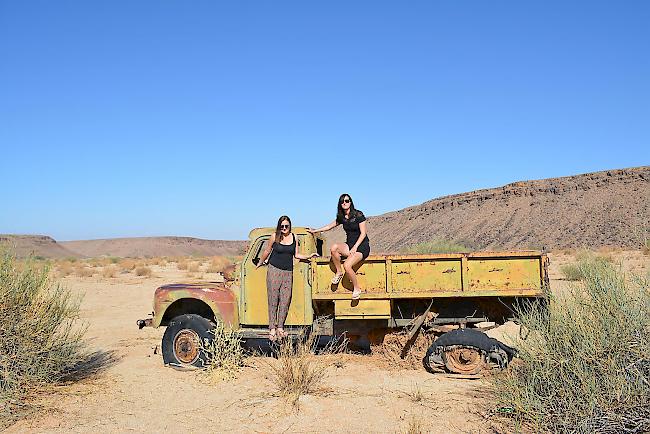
(40, 337)
(585, 364)
(586, 260)
(435, 246)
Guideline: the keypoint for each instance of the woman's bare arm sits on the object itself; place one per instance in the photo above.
(324, 228)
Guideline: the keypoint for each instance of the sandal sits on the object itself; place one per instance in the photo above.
(356, 294)
(272, 336)
(337, 278)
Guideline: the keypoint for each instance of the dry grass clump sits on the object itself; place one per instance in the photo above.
(436, 246)
(110, 271)
(159, 261)
(82, 270)
(193, 267)
(143, 271)
(182, 264)
(299, 371)
(64, 268)
(225, 354)
(40, 338)
(415, 426)
(585, 365)
(218, 264)
(127, 265)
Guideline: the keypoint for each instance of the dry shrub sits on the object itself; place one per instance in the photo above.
(40, 337)
(299, 371)
(225, 354)
(218, 264)
(64, 269)
(585, 365)
(82, 270)
(390, 351)
(415, 426)
(127, 264)
(193, 267)
(159, 261)
(109, 271)
(143, 271)
(182, 264)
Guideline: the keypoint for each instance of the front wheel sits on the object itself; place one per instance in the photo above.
(182, 343)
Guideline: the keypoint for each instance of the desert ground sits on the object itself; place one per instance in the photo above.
(363, 393)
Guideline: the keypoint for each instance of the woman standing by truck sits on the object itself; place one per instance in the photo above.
(282, 246)
(357, 244)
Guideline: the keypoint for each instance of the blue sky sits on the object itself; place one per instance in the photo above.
(139, 118)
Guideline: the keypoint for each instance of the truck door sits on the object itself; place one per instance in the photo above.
(254, 294)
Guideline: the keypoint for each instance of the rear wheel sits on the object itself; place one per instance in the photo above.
(182, 343)
(464, 360)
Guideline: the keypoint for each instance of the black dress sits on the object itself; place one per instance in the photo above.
(352, 232)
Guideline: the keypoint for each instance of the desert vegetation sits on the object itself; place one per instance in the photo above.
(299, 371)
(113, 267)
(436, 246)
(41, 339)
(225, 354)
(585, 364)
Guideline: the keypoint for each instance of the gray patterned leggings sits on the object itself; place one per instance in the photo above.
(278, 287)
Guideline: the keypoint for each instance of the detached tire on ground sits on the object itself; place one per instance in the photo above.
(467, 351)
(182, 341)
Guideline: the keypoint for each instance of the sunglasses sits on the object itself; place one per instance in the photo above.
(284, 226)
(345, 201)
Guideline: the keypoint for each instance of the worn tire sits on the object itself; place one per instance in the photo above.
(181, 343)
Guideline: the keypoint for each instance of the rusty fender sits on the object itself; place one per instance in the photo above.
(217, 296)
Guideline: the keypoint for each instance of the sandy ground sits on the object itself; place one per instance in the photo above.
(138, 394)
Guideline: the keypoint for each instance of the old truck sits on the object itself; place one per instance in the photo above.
(447, 294)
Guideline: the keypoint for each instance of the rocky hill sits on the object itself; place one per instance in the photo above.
(609, 208)
(35, 245)
(155, 246)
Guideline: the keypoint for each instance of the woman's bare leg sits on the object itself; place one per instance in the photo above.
(349, 263)
(337, 250)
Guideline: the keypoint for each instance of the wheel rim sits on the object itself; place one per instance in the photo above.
(464, 360)
(187, 346)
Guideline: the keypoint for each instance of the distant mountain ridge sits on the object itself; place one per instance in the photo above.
(605, 208)
(35, 245)
(155, 246)
(44, 246)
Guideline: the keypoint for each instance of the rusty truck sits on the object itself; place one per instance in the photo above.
(446, 294)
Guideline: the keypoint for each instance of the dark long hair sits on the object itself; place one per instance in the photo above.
(278, 231)
(340, 214)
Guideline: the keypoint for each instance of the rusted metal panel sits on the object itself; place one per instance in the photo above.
(503, 273)
(513, 292)
(423, 275)
(221, 300)
(362, 309)
(371, 275)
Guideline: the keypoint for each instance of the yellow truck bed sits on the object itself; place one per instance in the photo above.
(481, 274)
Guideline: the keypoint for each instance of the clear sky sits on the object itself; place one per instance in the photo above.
(206, 118)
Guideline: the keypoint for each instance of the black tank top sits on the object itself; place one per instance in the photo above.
(282, 255)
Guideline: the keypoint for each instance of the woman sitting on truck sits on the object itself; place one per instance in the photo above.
(282, 247)
(357, 244)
